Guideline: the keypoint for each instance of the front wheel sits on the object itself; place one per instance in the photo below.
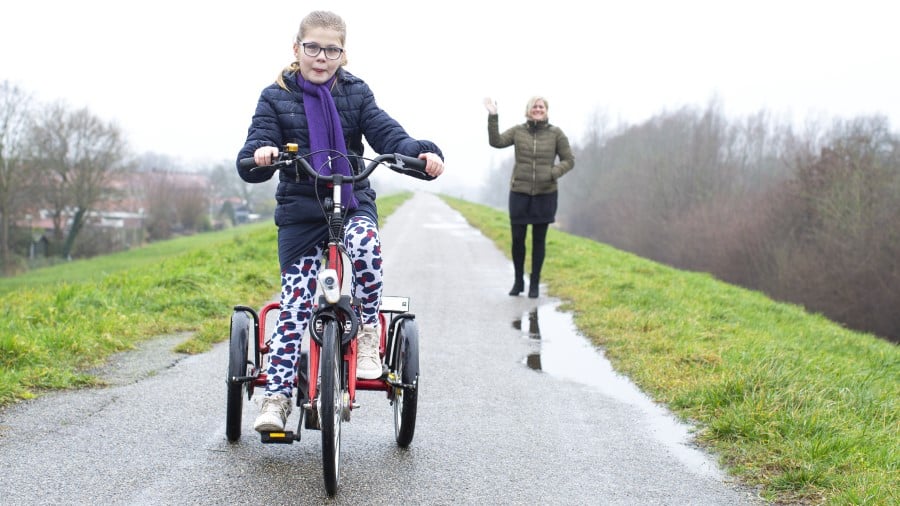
(406, 397)
(238, 366)
(331, 405)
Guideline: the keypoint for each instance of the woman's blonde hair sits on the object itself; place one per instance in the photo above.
(315, 19)
(531, 102)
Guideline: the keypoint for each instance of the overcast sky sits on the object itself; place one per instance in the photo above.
(182, 78)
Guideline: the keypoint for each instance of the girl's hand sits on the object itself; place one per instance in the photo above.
(434, 166)
(490, 105)
(264, 156)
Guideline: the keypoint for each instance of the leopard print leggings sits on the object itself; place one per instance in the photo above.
(298, 286)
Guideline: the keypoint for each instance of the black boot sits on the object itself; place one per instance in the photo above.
(518, 286)
(534, 286)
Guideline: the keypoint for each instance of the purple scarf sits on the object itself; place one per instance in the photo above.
(325, 133)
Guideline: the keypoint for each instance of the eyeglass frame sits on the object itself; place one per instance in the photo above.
(340, 50)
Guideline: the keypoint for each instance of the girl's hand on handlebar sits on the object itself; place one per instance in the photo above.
(265, 155)
(434, 166)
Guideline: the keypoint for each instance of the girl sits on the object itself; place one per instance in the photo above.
(320, 106)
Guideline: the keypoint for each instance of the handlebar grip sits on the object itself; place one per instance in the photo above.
(411, 162)
(247, 163)
(410, 166)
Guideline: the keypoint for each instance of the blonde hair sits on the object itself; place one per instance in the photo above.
(532, 101)
(315, 19)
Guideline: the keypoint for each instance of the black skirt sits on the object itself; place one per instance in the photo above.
(527, 209)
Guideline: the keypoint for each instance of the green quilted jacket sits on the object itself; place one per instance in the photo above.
(537, 146)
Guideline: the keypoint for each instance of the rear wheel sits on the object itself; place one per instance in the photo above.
(406, 398)
(331, 405)
(238, 366)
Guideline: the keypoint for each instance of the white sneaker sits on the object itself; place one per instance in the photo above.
(368, 363)
(273, 414)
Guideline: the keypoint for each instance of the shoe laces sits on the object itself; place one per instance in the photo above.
(368, 342)
(279, 404)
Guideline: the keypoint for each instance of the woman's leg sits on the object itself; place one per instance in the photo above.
(519, 232)
(538, 250)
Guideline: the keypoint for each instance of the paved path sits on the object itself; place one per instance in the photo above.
(490, 429)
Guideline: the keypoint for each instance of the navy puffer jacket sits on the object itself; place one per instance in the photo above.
(280, 118)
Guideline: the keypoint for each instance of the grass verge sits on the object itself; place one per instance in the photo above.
(790, 401)
(60, 321)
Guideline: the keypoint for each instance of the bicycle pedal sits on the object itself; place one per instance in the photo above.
(310, 418)
(285, 437)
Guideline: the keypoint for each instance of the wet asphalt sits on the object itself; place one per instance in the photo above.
(490, 429)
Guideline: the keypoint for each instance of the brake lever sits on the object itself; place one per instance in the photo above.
(277, 165)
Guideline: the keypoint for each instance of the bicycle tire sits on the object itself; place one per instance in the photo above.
(406, 399)
(331, 405)
(238, 366)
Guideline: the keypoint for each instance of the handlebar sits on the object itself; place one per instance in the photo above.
(400, 163)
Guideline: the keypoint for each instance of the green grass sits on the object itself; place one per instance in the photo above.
(80, 271)
(60, 321)
(791, 402)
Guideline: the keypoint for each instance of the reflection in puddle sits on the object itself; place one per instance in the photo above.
(533, 360)
(566, 354)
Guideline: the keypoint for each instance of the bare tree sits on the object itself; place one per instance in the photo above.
(845, 250)
(192, 208)
(812, 218)
(15, 107)
(225, 183)
(495, 186)
(161, 216)
(79, 155)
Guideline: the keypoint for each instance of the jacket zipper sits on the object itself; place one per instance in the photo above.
(533, 161)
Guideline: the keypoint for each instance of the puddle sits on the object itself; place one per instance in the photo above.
(564, 353)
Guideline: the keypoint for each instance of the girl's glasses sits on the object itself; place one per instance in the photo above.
(312, 50)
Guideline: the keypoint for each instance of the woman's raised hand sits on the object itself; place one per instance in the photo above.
(490, 105)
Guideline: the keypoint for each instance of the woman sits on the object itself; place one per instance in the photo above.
(320, 106)
(533, 185)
